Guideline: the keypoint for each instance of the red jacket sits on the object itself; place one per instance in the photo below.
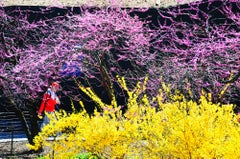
(48, 103)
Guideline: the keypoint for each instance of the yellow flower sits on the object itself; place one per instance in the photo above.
(179, 129)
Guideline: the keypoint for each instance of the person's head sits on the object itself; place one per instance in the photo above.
(55, 86)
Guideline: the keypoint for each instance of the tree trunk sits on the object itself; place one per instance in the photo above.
(30, 128)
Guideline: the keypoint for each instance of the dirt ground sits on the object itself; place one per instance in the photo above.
(19, 151)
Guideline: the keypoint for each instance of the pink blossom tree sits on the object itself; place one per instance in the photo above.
(199, 49)
(98, 44)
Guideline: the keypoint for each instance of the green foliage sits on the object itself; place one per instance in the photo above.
(85, 155)
(82, 156)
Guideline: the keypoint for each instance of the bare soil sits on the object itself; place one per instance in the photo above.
(18, 150)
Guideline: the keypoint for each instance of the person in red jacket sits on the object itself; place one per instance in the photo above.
(49, 102)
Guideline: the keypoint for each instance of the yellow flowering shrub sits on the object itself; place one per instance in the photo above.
(177, 129)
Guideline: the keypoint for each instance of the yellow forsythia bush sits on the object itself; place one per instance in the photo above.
(178, 129)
